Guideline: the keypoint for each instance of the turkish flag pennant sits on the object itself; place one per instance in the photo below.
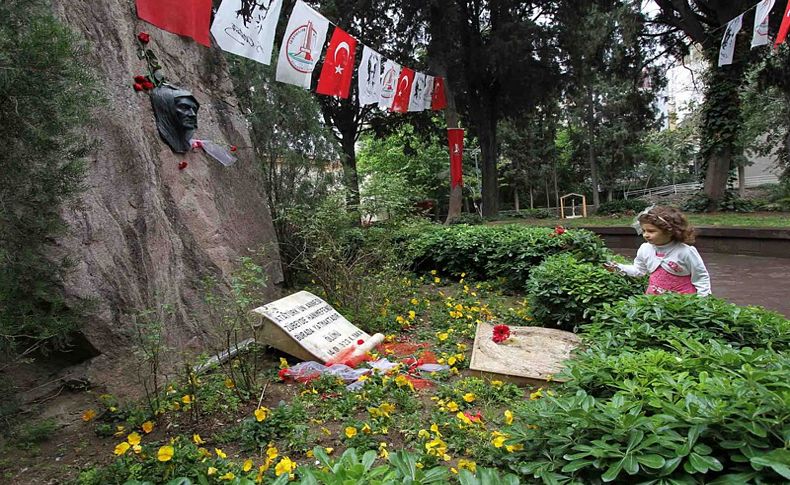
(438, 100)
(455, 140)
(191, 18)
(784, 28)
(400, 104)
(335, 79)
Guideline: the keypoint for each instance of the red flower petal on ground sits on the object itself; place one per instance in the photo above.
(140, 79)
(233, 148)
(182, 166)
(143, 37)
(148, 85)
(501, 333)
(138, 87)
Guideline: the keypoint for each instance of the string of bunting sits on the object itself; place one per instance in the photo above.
(759, 33)
(247, 28)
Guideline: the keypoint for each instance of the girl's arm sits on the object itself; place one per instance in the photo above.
(699, 273)
(639, 267)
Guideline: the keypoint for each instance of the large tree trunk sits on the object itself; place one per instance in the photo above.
(451, 116)
(486, 131)
(350, 177)
(591, 148)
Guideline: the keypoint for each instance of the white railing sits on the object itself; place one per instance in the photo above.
(752, 181)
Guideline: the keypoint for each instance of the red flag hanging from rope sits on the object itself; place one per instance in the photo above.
(784, 28)
(335, 79)
(191, 18)
(400, 104)
(455, 140)
(438, 99)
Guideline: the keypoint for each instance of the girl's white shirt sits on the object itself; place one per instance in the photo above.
(677, 258)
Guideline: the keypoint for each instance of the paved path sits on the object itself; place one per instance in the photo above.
(746, 280)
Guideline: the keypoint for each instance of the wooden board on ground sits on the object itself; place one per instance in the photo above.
(307, 327)
(531, 356)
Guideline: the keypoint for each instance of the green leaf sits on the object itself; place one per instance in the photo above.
(778, 460)
(651, 461)
(368, 458)
(613, 471)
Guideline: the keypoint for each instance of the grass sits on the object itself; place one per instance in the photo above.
(719, 219)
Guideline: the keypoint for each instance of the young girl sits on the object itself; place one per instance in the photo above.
(673, 265)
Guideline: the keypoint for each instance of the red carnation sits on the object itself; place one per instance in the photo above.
(182, 165)
(360, 342)
(233, 148)
(501, 333)
(143, 37)
(148, 85)
(138, 87)
(559, 230)
(197, 144)
(140, 79)
(475, 418)
(283, 374)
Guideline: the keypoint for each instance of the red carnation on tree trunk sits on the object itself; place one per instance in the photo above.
(143, 37)
(501, 333)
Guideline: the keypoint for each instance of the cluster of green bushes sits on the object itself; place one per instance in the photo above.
(508, 252)
(621, 206)
(669, 389)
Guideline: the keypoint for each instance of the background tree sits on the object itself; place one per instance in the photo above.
(47, 90)
(703, 22)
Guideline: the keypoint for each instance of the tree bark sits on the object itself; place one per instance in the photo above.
(741, 181)
(487, 136)
(591, 147)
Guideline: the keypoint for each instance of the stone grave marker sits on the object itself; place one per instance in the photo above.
(307, 327)
(531, 356)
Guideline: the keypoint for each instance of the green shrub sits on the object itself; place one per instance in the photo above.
(28, 435)
(698, 202)
(467, 218)
(287, 422)
(621, 206)
(656, 320)
(732, 203)
(565, 292)
(700, 413)
(489, 252)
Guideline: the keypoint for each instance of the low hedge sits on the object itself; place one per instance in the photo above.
(489, 252)
(565, 292)
(621, 206)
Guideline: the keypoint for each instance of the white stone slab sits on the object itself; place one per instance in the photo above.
(531, 356)
(307, 327)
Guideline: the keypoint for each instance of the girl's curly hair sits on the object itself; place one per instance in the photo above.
(671, 220)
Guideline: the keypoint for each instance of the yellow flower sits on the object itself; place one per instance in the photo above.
(326, 431)
(197, 439)
(137, 448)
(204, 452)
(228, 476)
(310, 454)
(133, 439)
(452, 360)
(247, 466)
(148, 426)
(366, 429)
(536, 395)
(88, 415)
(423, 434)
(351, 432)
(329, 450)
(186, 399)
(463, 417)
(469, 397)
(512, 448)
(461, 347)
(285, 466)
(453, 470)
(386, 409)
(443, 336)
(403, 381)
(435, 429)
(383, 453)
(499, 439)
(283, 363)
(120, 430)
(412, 315)
(508, 417)
(229, 383)
(121, 448)
(220, 453)
(261, 413)
(452, 406)
(165, 453)
(468, 464)
(437, 280)
(271, 453)
(497, 383)
(211, 471)
(400, 319)
(433, 272)
(414, 301)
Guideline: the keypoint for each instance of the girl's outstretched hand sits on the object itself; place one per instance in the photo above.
(611, 266)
